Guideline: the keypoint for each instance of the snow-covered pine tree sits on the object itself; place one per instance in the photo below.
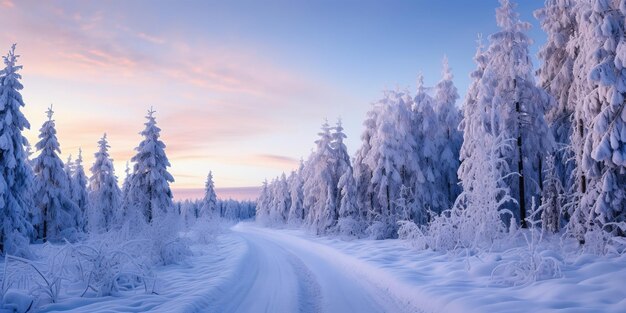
(350, 222)
(125, 202)
(318, 183)
(450, 138)
(15, 174)
(296, 208)
(150, 182)
(551, 198)
(604, 154)
(478, 213)
(263, 203)
(429, 189)
(556, 75)
(69, 171)
(209, 202)
(56, 207)
(362, 171)
(392, 160)
(281, 202)
(583, 45)
(80, 196)
(470, 110)
(341, 166)
(104, 193)
(508, 84)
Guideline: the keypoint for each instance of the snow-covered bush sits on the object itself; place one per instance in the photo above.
(165, 245)
(39, 279)
(108, 267)
(529, 263)
(349, 227)
(599, 241)
(205, 231)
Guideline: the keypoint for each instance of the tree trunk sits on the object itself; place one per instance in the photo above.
(520, 163)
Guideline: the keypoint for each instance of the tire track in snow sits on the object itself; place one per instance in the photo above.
(268, 279)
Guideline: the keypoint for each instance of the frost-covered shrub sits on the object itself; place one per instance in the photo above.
(205, 231)
(349, 227)
(38, 279)
(165, 244)
(379, 230)
(414, 234)
(599, 241)
(107, 267)
(532, 262)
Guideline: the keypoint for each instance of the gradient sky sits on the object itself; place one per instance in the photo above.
(240, 87)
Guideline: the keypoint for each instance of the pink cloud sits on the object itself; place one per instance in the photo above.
(7, 4)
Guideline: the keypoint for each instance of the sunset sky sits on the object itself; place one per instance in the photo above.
(239, 87)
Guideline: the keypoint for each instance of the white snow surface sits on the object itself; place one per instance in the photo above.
(256, 269)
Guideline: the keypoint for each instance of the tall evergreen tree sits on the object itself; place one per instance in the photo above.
(428, 189)
(450, 138)
(104, 193)
(556, 76)
(604, 154)
(209, 202)
(80, 196)
(57, 210)
(392, 159)
(296, 208)
(318, 183)
(507, 86)
(150, 191)
(15, 173)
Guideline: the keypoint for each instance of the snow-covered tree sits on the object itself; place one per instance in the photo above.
(430, 187)
(263, 203)
(318, 188)
(281, 200)
(471, 113)
(150, 192)
(209, 202)
(392, 159)
(350, 222)
(556, 76)
(69, 170)
(604, 154)
(125, 193)
(341, 158)
(15, 173)
(104, 193)
(507, 86)
(57, 210)
(80, 195)
(450, 138)
(551, 198)
(296, 208)
(362, 171)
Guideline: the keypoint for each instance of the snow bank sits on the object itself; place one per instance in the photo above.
(440, 282)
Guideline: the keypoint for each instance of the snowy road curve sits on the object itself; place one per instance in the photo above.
(282, 273)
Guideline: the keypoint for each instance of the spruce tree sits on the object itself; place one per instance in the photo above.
(80, 196)
(449, 136)
(209, 202)
(15, 173)
(57, 210)
(104, 193)
(296, 208)
(150, 192)
(508, 87)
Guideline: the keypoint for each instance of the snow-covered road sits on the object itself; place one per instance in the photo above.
(281, 273)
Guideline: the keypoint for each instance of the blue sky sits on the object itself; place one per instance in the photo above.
(240, 87)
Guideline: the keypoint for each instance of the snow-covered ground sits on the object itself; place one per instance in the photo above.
(256, 269)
